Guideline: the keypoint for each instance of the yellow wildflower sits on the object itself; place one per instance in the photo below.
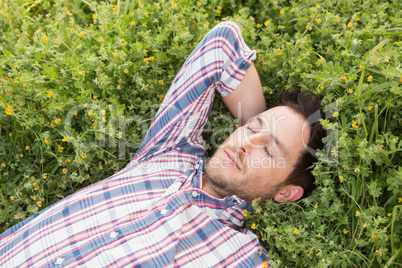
(218, 11)
(267, 22)
(370, 107)
(280, 53)
(345, 231)
(21, 155)
(116, 55)
(319, 235)
(27, 147)
(37, 187)
(64, 171)
(44, 38)
(335, 114)
(81, 34)
(3, 164)
(349, 24)
(46, 141)
(252, 226)
(258, 25)
(39, 203)
(8, 110)
(350, 90)
(297, 231)
(83, 156)
(389, 214)
(90, 112)
(199, 3)
(125, 71)
(45, 175)
(245, 213)
(370, 78)
(281, 12)
(357, 213)
(12, 197)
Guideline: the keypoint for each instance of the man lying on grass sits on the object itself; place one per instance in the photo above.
(169, 206)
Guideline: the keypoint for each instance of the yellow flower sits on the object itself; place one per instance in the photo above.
(3, 164)
(125, 71)
(53, 125)
(21, 155)
(319, 235)
(37, 187)
(357, 19)
(8, 110)
(319, 60)
(81, 34)
(281, 12)
(370, 107)
(317, 6)
(12, 197)
(335, 114)
(370, 79)
(90, 113)
(280, 53)
(206, 15)
(39, 203)
(57, 121)
(45, 175)
(75, 113)
(44, 38)
(349, 24)
(357, 213)
(399, 199)
(83, 156)
(100, 167)
(218, 11)
(258, 25)
(245, 213)
(267, 22)
(252, 226)
(341, 177)
(116, 55)
(345, 231)
(350, 90)
(46, 141)
(297, 231)
(133, 22)
(94, 16)
(27, 147)
(64, 171)
(199, 3)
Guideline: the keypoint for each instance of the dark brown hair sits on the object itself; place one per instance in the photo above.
(308, 105)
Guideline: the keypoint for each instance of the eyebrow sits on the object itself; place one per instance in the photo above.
(280, 145)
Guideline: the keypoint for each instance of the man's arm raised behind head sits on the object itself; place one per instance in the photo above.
(248, 99)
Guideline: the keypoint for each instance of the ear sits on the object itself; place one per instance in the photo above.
(289, 193)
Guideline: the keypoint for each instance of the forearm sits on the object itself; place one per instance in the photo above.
(248, 99)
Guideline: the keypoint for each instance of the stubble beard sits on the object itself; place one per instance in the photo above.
(232, 186)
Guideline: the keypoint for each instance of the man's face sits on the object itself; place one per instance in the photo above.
(257, 158)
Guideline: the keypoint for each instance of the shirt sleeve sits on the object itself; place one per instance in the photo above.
(219, 62)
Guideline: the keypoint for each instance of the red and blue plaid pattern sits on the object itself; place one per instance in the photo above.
(153, 213)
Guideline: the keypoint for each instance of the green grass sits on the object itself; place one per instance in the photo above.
(112, 63)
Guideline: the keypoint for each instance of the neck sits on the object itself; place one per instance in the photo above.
(207, 187)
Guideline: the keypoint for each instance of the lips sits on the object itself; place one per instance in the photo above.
(232, 158)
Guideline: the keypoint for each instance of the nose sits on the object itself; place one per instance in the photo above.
(246, 143)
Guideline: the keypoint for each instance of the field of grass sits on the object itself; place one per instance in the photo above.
(80, 82)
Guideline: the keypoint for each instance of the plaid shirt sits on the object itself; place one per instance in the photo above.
(153, 212)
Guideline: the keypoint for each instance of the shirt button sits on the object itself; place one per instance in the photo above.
(113, 234)
(59, 260)
(194, 194)
(163, 211)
